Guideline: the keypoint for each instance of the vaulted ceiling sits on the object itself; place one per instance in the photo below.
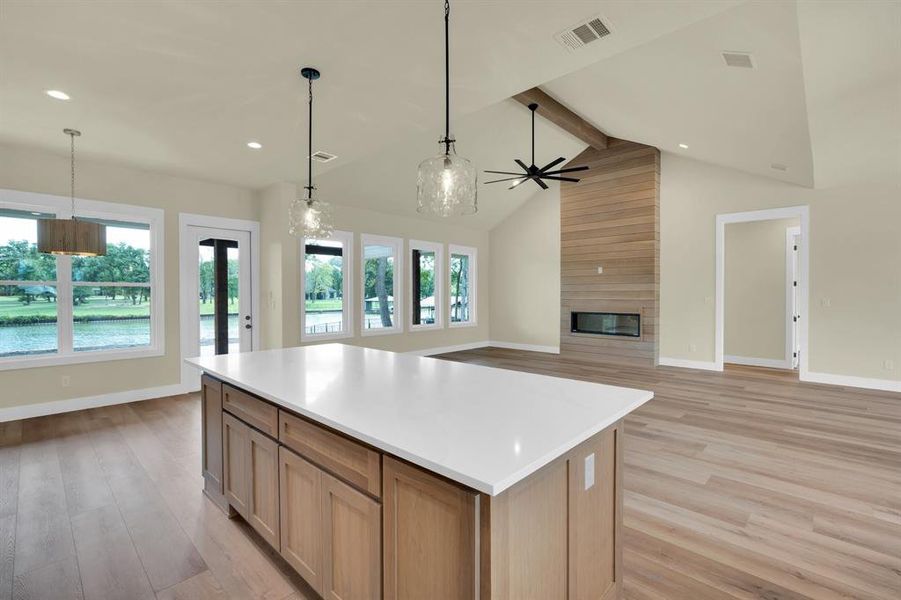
(181, 86)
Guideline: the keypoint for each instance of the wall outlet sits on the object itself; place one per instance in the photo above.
(65, 381)
(889, 365)
(826, 302)
(600, 270)
(692, 347)
(589, 471)
(708, 300)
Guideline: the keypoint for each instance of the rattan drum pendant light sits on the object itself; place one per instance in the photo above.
(71, 236)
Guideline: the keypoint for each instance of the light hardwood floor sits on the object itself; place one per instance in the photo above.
(745, 484)
(749, 484)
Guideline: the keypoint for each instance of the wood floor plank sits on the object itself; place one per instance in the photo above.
(107, 559)
(200, 587)
(7, 555)
(57, 581)
(748, 483)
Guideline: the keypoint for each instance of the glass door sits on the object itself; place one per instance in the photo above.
(220, 319)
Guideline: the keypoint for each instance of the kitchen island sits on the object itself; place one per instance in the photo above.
(384, 475)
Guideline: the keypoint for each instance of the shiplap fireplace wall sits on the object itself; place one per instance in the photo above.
(610, 220)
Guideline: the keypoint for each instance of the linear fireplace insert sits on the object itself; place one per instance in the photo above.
(606, 323)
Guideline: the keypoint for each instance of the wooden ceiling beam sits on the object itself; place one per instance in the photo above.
(563, 117)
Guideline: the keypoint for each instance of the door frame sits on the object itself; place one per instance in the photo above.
(790, 292)
(186, 220)
(788, 212)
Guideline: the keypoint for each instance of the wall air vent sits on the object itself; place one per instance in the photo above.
(583, 34)
(741, 60)
(321, 156)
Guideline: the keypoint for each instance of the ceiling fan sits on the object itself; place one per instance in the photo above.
(534, 173)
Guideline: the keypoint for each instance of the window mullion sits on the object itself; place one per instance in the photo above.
(64, 317)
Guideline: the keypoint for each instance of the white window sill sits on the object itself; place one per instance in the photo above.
(52, 360)
(457, 324)
(380, 331)
(426, 327)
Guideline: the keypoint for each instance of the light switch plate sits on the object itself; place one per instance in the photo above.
(589, 471)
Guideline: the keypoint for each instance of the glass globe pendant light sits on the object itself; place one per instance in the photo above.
(310, 217)
(71, 236)
(447, 183)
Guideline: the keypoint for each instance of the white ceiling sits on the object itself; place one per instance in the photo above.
(181, 86)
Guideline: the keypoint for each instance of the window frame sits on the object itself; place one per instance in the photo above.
(61, 207)
(368, 239)
(438, 249)
(473, 255)
(347, 267)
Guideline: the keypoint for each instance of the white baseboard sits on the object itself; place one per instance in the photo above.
(886, 385)
(687, 364)
(27, 411)
(445, 349)
(752, 361)
(529, 347)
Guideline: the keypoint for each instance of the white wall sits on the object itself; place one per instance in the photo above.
(280, 290)
(855, 264)
(525, 273)
(755, 284)
(32, 170)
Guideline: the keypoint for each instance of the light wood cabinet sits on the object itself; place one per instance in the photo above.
(300, 495)
(235, 441)
(430, 535)
(211, 448)
(253, 411)
(351, 543)
(262, 466)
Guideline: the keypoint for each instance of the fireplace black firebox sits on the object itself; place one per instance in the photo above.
(605, 323)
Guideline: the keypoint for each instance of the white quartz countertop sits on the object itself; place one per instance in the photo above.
(483, 427)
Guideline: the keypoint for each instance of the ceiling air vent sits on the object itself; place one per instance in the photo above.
(738, 59)
(321, 156)
(583, 34)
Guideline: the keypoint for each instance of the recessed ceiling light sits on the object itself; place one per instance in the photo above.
(254, 145)
(58, 94)
(683, 146)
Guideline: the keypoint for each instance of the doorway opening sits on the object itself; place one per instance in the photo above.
(761, 289)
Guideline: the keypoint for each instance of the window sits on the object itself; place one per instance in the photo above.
(325, 281)
(426, 289)
(462, 279)
(62, 309)
(382, 276)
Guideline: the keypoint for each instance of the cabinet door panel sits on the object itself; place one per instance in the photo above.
(262, 464)
(351, 543)
(211, 408)
(429, 535)
(301, 516)
(235, 440)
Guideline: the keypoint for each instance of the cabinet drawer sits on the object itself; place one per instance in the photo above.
(349, 460)
(252, 411)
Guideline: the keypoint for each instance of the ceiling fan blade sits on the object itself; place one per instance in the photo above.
(553, 163)
(556, 178)
(507, 179)
(523, 165)
(521, 179)
(567, 170)
(504, 173)
(541, 183)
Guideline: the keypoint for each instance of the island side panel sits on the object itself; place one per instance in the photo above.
(211, 440)
(548, 537)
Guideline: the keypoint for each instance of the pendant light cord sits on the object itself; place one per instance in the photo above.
(72, 167)
(310, 147)
(533, 135)
(447, 139)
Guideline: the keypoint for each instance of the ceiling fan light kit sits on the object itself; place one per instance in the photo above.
(532, 172)
(310, 217)
(447, 184)
(72, 236)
